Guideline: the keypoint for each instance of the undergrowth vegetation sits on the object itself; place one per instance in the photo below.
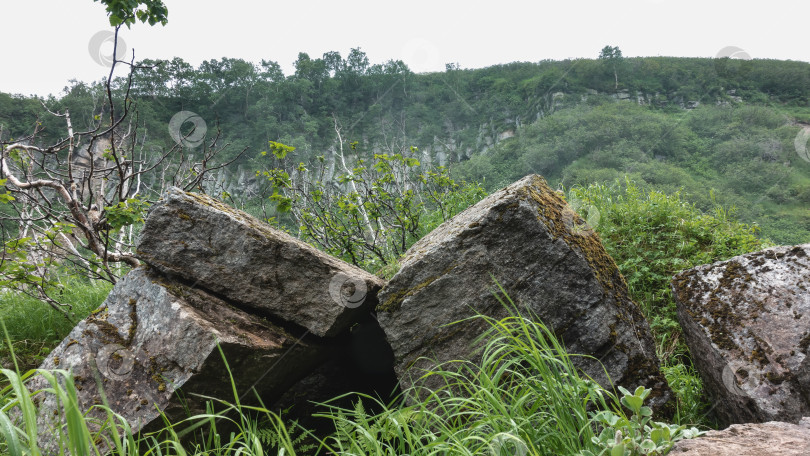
(35, 328)
(524, 397)
(652, 236)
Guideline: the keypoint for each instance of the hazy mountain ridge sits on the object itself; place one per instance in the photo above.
(691, 123)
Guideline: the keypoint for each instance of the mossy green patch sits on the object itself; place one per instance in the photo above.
(183, 215)
(553, 212)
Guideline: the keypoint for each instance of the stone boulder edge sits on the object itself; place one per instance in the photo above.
(547, 260)
(773, 438)
(234, 255)
(746, 322)
(152, 337)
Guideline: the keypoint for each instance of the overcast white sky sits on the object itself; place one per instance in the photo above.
(45, 42)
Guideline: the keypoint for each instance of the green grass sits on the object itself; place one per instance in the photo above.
(524, 397)
(35, 327)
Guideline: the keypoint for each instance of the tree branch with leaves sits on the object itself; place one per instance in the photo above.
(75, 202)
(372, 210)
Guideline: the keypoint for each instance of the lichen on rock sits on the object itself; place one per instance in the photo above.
(746, 322)
(772, 439)
(527, 238)
(234, 255)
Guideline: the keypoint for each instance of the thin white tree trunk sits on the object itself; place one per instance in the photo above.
(354, 188)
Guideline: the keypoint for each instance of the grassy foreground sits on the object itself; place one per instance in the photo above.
(35, 328)
(524, 398)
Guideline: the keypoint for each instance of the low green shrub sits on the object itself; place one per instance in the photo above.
(652, 236)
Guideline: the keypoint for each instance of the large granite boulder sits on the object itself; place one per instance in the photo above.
(153, 337)
(200, 240)
(527, 238)
(764, 439)
(747, 324)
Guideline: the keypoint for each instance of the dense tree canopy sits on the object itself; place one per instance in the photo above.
(698, 124)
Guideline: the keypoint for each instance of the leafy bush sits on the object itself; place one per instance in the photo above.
(637, 435)
(371, 210)
(652, 236)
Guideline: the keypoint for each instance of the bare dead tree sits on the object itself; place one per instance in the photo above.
(77, 200)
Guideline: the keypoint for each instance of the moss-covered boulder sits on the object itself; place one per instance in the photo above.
(228, 252)
(747, 324)
(526, 238)
(153, 337)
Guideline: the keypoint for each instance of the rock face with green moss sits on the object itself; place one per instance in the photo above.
(548, 261)
(773, 438)
(208, 244)
(747, 324)
(153, 336)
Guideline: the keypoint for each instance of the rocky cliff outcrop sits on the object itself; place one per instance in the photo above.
(527, 239)
(747, 324)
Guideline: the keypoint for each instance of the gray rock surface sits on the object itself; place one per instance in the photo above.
(747, 324)
(152, 337)
(528, 239)
(244, 260)
(765, 439)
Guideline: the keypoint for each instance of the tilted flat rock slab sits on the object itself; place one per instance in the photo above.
(152, 337)
(244, 260)
(547, 260)
(765, 439)
(747, 324)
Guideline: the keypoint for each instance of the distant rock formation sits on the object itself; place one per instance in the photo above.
(772, 439)
(528, 239)
(747, 324)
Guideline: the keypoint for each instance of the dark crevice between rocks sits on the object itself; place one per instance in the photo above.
(362, 363)
(181, 286)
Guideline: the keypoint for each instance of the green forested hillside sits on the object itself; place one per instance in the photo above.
(722, 130)
(738, 155)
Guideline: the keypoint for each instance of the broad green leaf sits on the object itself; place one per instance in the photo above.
(618, 450)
